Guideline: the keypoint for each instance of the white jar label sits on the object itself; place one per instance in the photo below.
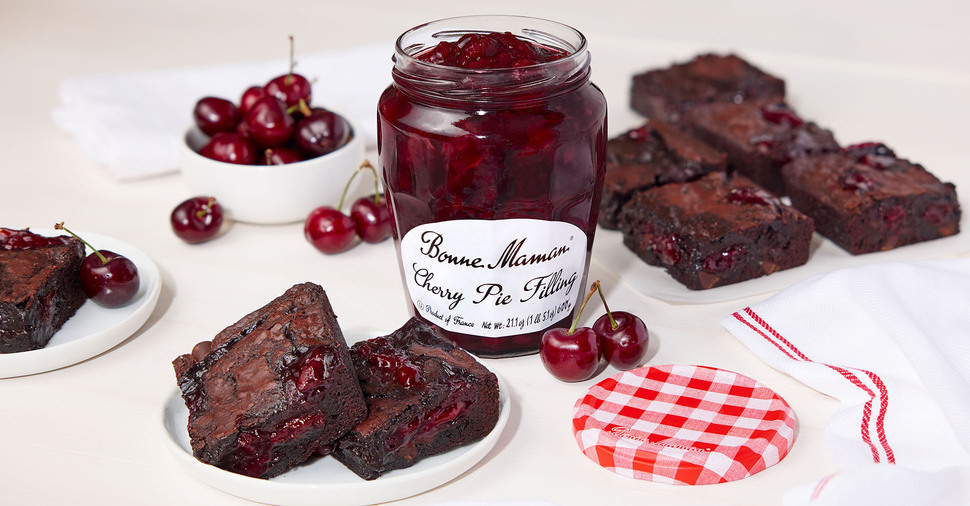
(494, 278)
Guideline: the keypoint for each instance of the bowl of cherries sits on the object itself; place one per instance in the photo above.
(270, 157)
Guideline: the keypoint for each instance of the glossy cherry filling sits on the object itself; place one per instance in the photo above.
(19, 240)
(724, 259)
(751, 195)
(494, 50)
(391, 364)
(257, 449)
(422, 429)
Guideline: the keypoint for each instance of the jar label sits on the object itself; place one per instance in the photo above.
(494, 278)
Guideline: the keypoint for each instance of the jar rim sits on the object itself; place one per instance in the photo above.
(406, 54)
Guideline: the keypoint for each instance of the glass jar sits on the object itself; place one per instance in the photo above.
(493, 177)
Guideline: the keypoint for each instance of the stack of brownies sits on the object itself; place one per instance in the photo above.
(698, 187)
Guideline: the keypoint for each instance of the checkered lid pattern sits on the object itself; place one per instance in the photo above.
(683, 424)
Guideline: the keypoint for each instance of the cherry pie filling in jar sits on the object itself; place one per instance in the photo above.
(492, 142)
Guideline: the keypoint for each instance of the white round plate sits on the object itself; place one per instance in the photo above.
(325, 481)
(93, 329)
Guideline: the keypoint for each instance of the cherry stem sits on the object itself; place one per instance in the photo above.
(365, 165)
(60, 226)
(289, 77)
(207, 207)
(609, 314)
(592, 289)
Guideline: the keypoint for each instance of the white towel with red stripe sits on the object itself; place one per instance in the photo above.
(891, 341)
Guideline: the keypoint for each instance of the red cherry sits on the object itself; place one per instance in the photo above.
(269, 123)
(280, 156)
(623, 336)
(213, 115)
(321, 132)
(249, 97)
(289, 87)
(570, 355)
(625, 344)
(230, 147)
(197, 219)
(371, 217)
(109, 279)
(329, 230)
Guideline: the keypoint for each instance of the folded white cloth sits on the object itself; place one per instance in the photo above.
(132, 123)
(891, 341)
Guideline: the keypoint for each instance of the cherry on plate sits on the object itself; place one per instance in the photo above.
(197, 219)
(109, 279)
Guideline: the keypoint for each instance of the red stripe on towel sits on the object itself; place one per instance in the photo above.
(793, 353)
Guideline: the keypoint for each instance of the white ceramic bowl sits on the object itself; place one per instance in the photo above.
(271, 194)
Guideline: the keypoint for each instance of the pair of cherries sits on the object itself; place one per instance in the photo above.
(577, 354)
(331, 231)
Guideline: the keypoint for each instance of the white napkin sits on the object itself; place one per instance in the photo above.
(132, 123)
(891, 341)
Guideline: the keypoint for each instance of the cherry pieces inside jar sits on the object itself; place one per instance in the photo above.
(470, 152)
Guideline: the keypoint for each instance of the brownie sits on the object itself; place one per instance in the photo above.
(716, 230)
(425, 396)
(668, 93)
(759, 137)
(652, 154)
(867, 199)
(271, 388)
(40, 287)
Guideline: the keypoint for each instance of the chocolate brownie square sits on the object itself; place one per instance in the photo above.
(40, 287)
(271, 388)
(715, 231)
(759, 137)
(867, 199)
(669, 92)
(425, 396)
(652, 154)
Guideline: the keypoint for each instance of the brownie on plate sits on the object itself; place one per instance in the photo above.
(867, 199)
(652, 154)
(759, 137)
(716, 230)
(667, 93)
(40, 287)
(271, 388)
(425, 396)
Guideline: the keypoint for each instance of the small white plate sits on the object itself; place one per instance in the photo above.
(93, 329)
(325, 481)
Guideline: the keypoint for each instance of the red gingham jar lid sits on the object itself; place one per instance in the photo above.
(683, 424)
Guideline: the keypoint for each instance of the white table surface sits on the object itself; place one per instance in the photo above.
(91, 433)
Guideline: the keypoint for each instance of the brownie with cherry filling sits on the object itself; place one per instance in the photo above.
(652, 154)
(866, 199)
(270, 389)
(714, 231)
(759, 137)
(425, 396)
(667, 93)
(40, 287)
